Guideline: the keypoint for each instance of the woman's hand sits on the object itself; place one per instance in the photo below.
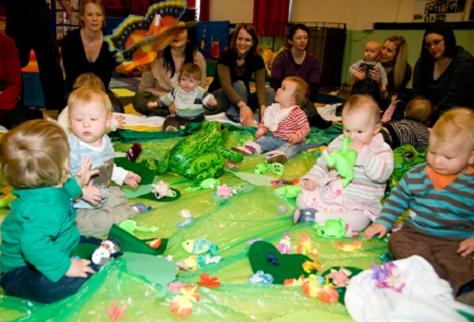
(246, 115)
(374, 74)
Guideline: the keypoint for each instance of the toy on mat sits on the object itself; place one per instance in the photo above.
(332, 228)
(343, 160)
(138, 39)
(182, 304)
(107, 250)
(134, 152)
(200, 155)
(200, 246)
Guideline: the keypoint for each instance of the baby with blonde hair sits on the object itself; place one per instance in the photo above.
(90, 115)
(439, 196)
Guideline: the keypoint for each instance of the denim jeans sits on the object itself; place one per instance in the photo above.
(271, 143)
(27, 282)
(233, 112)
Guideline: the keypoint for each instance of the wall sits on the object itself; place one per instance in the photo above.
(233, 10)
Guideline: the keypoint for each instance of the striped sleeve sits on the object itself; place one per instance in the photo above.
(377, 161)
(167, 99)
(295, 123)
(397, 202)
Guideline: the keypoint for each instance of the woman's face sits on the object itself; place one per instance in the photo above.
(389, 52)
(180, 40)
(243, 43)
(434, 43)
(93, 17)
(300, 40)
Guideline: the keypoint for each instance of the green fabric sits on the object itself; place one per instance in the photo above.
(130, 243)
(263, 256)
(40, 230)
(145, 173)
(155, 269)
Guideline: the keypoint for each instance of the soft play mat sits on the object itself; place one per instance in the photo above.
(219, 284)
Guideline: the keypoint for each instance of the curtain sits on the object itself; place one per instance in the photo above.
(270, 17)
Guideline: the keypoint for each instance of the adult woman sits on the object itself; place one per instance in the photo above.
(296, 61)
(84, 50)
(235, 68)
(444, 73)
(163, 74)
(394, 61)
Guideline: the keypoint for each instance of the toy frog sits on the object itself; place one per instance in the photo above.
(200, 155)
(343, 160)
(332, 228)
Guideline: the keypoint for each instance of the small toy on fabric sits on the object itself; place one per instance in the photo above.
(209, 183)
(208, 281)
(182, 304)
(224, 191)
(162, 190)
(200, 246)
(107, 250)
(261, 278)
(188, 218)
(284, 245)
(134, 152)
(349, 247)
(306, 246)
(343, 160)
(141, 207)
(387, 275)
(273, 168)
(315, 286)
(116, 311)
(340, 278)
(332, 228)
(287, 192)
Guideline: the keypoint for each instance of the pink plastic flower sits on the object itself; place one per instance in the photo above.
(224, 191)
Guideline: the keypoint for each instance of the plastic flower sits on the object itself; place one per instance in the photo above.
(182, 304)
(224, 191)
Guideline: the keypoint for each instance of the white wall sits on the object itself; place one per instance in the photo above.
(235, 11)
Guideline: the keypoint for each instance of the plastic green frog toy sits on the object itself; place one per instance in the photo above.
(200, 155)
(343, 160)
(332, 228)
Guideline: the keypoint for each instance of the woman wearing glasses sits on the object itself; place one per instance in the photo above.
(444, 73)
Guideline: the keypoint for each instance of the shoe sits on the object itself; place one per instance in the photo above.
(277, 158)
(245, 149)
(304, 215)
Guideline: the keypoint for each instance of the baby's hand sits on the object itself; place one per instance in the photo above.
(260, 132)
(152, 105)
(212, 102)
(91, 194)
(308, 184)
(120, 119)
(132, 179)
(172, 108)
(466, 247)
(359, 75)
(375, 229)
(293, 138)
(79, 268)
(85, 173)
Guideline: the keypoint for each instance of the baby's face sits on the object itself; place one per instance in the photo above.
(359, 124)
(449, 157)
(285, 95)
(188, 83)
(371, 52)
(89, 121)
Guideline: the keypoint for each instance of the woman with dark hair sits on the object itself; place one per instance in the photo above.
(235, 69)
(296, 61)
(444, 73)
(163, 74)
(84, 50)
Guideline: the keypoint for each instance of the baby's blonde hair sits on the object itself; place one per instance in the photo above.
(456, 121)
(87, 94)
(359, 101)
(419, 109)
(88, 79)
(301, 93)
(374, 43)
(34, 154)
(191, 70)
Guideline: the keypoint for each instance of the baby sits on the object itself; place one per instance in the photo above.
(323, 195)
(360, 71)
(285, 125)
(413, 129)
(90, 115)
(186, 102)
(439, 197)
